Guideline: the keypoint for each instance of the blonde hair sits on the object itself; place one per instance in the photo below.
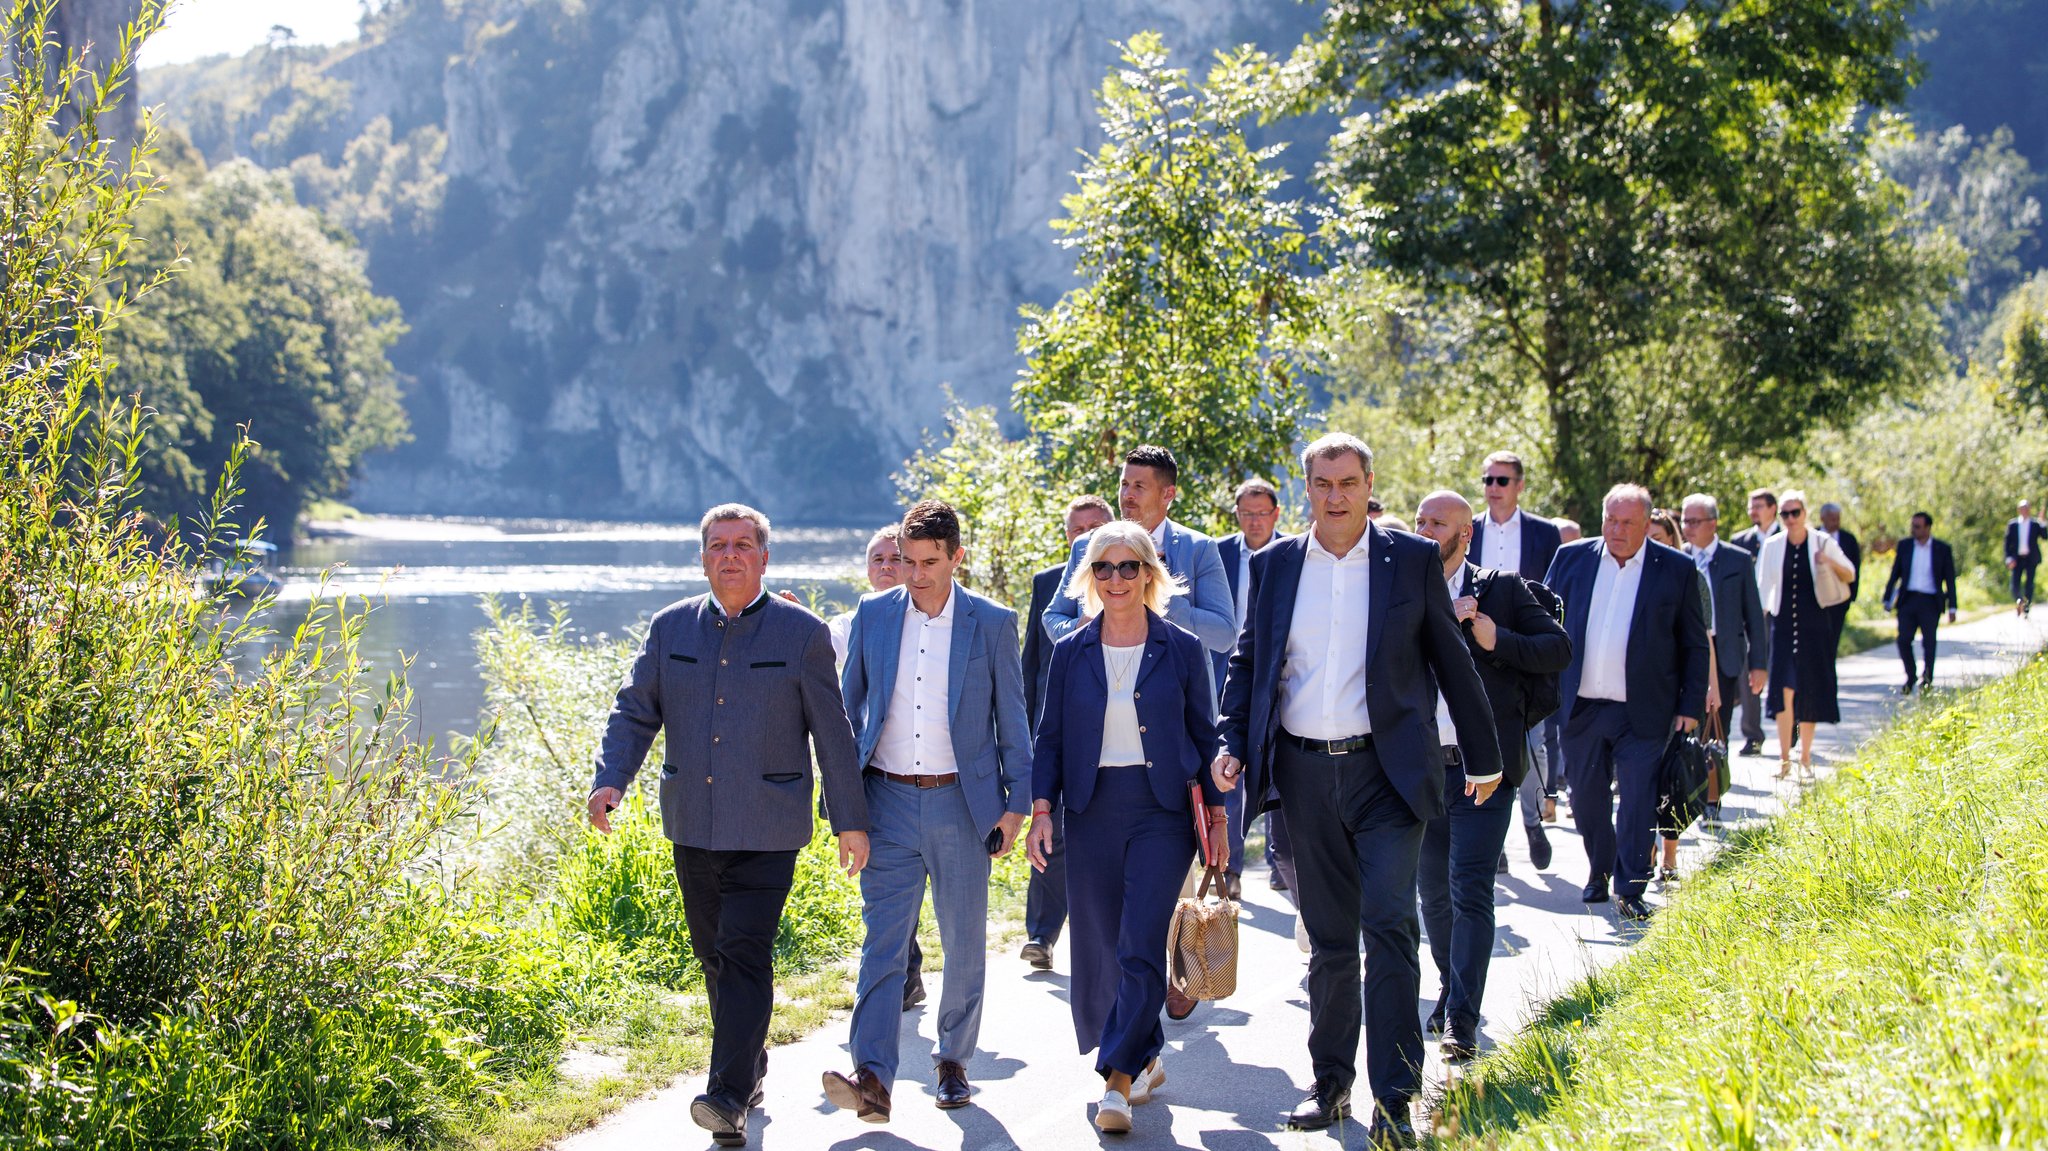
(1795, 496)
(1162, 587)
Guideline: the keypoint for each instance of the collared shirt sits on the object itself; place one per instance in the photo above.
(1322, 683)
(841, 629)
(1122, 744)
(1921, 576)
(1503, 546)
(1704, 559)
(1446, 731)
(917, 732)
(1244, 581)
(1608, 619)
(1159, 545)
(2026, 534)
(751, 604)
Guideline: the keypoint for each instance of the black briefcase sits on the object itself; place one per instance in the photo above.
(1682, 782)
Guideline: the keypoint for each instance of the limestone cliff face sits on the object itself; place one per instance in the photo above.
(693, 250)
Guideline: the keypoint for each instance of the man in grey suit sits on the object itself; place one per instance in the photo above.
(1740, 641)
(1045, 893)
(742, 684)
(936, 694)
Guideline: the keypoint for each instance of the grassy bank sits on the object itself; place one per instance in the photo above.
(1868, 970)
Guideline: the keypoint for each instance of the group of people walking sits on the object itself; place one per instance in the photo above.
(1392, 699)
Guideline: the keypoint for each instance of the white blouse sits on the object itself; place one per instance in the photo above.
(1121, 744)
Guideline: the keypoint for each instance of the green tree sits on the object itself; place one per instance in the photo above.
(1193, 284)
(2020, 375)
(1664, 217)
(1980, 193)
(1010, 509)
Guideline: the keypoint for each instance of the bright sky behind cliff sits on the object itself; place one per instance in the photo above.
(198, 28)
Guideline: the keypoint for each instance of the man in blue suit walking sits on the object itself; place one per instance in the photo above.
(935, 691)
(1638, 673)
(1330, 712)
(1257, 508)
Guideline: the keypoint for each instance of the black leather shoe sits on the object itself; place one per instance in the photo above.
(1501, 868)
(726, 1120)
(1595, 890)
(1927, 682)
(953, 1088)
(759, 1096)
(1434, 1025)
(1906, 688)
(1276, 881)
(1326, 1104)
(1391, 1126)
(1632, 908)
(1539, 847)
(1461, 1042)
(1753, 749)
(1038, 953)
(1233, 886)
(861, 1093)
(913, 992)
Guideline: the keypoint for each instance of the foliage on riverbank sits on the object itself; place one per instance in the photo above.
(1866, 970)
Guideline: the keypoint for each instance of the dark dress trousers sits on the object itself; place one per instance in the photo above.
(1460, 848)
(1045, 892)
(1231, 549)
(2024, 566)
(1540, 541)
(1610, 743)
(1355, 820)
(1741, 644)
(1920, 612)
(1838, 615)
(1751, 540)
(744, 702)
(1130, 828)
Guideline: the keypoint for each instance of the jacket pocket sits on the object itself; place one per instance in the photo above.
(783, 776)
(770, 663)
(668, 770)
(680, 657)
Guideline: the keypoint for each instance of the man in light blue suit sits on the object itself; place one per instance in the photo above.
(935, 690)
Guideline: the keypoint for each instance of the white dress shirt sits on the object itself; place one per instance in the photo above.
(743, 611)
(1244, 580)
(1122, 745)
(1608, 619)
(2026, 534)
(841, 629)
(1322, 682)
(917, 731)
(1446, 731)
(1503, 546)
(1920, 577)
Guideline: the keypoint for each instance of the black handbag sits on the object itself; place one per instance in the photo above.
(1682, 782)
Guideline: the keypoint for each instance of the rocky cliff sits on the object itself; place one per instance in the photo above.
(657, 253)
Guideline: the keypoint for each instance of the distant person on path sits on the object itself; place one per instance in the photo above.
(1740, 642)
(1923, 576)
(1763, 519)
(1510, 540)
(1329, 712)
(1256, 504)
(2023, 557)
(1515, 643)
(742, 683)
(1800, 573)
(1568, 531)
(1045, 893)
(1638, 673)
(1128, 725)
(1831, 522)
(884, 570)
(936, 697)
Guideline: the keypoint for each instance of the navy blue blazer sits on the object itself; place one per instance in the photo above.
(984, 694)
(1176, 722)
(1540, 541)
(1037, 646)
(1414, 647)
(1666, 664)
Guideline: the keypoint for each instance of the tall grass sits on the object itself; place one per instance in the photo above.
(1868, 970)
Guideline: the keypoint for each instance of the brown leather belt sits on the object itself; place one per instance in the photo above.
(924, 782)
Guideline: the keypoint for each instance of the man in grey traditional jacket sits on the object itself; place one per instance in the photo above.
(745, 687)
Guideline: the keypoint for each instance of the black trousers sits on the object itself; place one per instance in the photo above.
(732, 904)
(1918, 612)
(2023, 580)
(1356, 844)
(1045, 895)
(1732, 687)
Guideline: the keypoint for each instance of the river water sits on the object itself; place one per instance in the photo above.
(426, 578)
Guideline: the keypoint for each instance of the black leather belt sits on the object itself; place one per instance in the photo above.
(1346, 746)
(924, 782)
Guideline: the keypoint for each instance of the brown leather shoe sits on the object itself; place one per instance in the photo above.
(863, 1094)
(953, 1088)
(1178, 1006)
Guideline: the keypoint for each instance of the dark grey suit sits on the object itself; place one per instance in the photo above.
(743, 701)
(1740, 642)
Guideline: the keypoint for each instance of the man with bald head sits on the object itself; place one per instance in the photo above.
(1513, 641)
(1638, 672)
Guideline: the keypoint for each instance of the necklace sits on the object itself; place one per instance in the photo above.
(1117, 675)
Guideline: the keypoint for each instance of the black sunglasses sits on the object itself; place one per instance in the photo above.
(1128, 569)
(1496, 481)
(1791, 513)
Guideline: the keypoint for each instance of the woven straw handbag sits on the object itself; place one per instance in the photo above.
(1202, 943)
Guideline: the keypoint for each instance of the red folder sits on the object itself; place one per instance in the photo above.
(1201, 822)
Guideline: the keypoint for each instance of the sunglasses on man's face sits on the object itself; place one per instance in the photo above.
(1496, 481)
(1127, 570)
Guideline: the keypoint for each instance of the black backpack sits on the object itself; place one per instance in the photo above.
(1541, 695)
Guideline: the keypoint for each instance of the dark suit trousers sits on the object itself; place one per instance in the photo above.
(1459, 852)
(1732, 687)
(1603, 753)
(1045, 894)
(732, 904)
(2023, 580)
(1921, 613)
(1356, 844)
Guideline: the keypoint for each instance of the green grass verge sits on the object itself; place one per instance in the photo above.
(1868, 970)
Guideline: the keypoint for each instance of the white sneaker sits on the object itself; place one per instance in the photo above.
(1113, 1114)
(1300, 934)
(1151, 1079)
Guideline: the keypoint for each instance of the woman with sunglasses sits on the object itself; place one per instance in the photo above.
(1799, 573)
(1128, 724)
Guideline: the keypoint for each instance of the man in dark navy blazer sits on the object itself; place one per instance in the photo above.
(1329, 711)
(1923, 577)
(1257, 508)
(1638, 673)
(1045, 894)
(2023, 556)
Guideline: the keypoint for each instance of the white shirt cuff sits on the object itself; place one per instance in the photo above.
(1483, 778)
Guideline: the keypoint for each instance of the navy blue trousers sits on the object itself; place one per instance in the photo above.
(1126, 859)
(1045, 895)
(1460, 854)
(1604, 756)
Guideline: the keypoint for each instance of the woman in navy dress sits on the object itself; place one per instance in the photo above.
(1802, 687)
(1128, 724)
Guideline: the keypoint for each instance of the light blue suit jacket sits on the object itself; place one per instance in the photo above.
(1208, 609)
(984, 695)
